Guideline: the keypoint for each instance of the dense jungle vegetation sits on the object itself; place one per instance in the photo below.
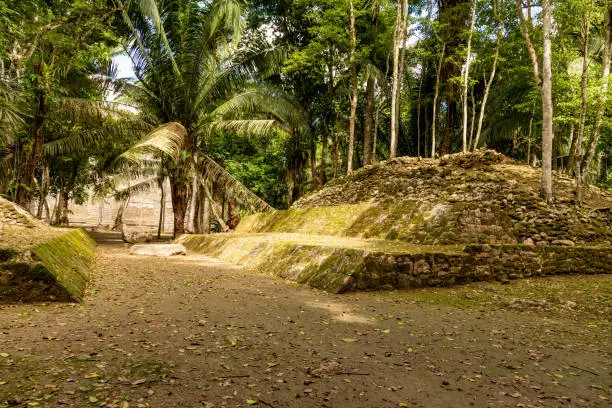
(258, 103)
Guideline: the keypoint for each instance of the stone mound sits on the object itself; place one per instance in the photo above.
(40, 263)
(482, 197)
(412, 222)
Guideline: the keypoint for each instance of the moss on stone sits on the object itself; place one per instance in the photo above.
(57, 269)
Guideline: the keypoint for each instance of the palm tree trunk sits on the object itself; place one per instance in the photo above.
(592, 145)
(179, 190)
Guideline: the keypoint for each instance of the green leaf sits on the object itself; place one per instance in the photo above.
(93, 399)
(252, 402)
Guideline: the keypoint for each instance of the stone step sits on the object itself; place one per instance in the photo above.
(340, 264)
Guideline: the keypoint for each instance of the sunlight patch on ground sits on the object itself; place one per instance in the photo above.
(341, 312)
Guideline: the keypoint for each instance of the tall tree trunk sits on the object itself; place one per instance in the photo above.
(488, 84)
(547, 103)
(290, 179)
(402, 70)
(63, 211)
(162, 209)
(529, 139)
(435, 102)
(466, 78)
(375, 130)
(543, 80)
(353, 97)
(26, 173)
(576, 145)
(179, 190)
(313, 164)
(204, 213)
(419, 111)
(335, 155)
(395, 79)
(323, 165)
(401, 25)
(448, 136)
(369, 118)
(592, 145)
(473, 121)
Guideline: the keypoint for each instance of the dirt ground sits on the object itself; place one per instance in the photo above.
(191, 331)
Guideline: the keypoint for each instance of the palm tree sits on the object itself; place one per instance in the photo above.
(191, 67)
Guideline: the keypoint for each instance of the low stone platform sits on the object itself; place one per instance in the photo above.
(340, 264)
(41, 263)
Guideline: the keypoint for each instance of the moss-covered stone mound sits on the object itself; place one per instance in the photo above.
(420, 222)
(40, 263)
(480, 197)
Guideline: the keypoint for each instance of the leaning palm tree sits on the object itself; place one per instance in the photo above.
(192, 69)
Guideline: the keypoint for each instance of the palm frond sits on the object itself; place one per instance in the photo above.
(214, 171)
(267, 102)
(247, 127)
(168, 138)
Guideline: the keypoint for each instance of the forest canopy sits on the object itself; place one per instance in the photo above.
(260, 102)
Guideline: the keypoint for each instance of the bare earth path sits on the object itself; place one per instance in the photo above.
(195, 332)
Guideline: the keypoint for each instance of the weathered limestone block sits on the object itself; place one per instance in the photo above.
(133, 235)
(158, 250)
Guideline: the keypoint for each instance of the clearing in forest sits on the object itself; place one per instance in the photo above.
(196, 332)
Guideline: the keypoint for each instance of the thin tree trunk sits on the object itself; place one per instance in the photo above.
(375, 130)
(162, 209)
(313, 164)
(473, 122)
(335, 155)
(323, 165)
(592, 145)
(395, 84)
(488, 84)
(419, 111)
(435, 102)
(547, 103)
(529, 140)
(402, 69)
(369, 118)
(576, 145)
(466, 78)
(353, 97)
